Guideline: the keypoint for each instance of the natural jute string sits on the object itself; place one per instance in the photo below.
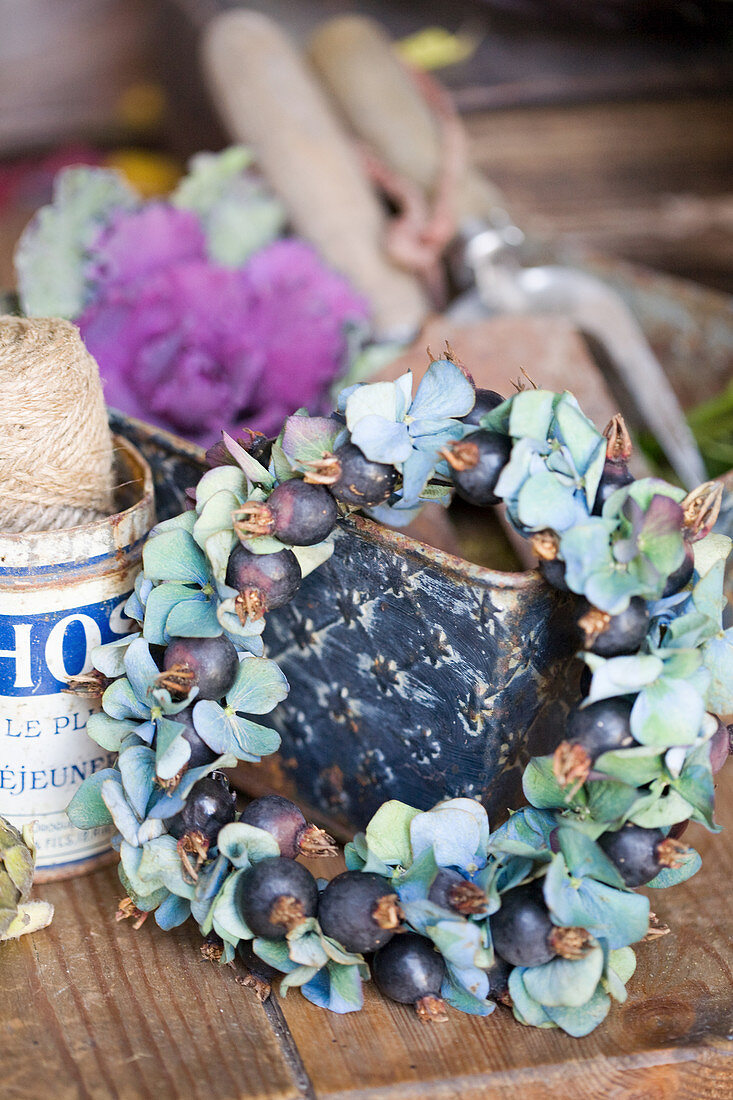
(55, 445)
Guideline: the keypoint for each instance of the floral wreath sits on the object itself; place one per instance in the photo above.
(541, 913)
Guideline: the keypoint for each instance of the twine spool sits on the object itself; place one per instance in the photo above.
(56, 466)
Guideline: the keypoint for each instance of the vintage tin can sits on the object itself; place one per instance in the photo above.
(61, 593)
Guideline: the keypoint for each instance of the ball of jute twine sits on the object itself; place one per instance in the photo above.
(55, 445)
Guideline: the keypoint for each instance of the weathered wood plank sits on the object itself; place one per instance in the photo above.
(91, 1008)
(671, 1039)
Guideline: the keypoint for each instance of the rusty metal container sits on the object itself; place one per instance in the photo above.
(61, 593)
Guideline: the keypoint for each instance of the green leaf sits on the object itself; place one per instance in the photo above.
(667, 712)
(226, 915)
(565, 982)
(581, 1021)
(174, 556)
(531, 414)
(618, 916)
(87, 809)
(526, 1009)
(259, 686)
(584, 857)
(172, 750)
(109, 732)
(137, 768)
(161, 862)
(388, 833)
(311, 558)
(244, 844)
(542, 789)
(635, 766)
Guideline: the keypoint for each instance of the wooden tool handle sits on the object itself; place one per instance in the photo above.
(356, 61)
(269, 99)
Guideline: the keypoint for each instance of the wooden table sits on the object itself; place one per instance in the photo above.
(92, 1009)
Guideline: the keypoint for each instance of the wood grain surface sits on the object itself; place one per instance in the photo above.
(91, 1009)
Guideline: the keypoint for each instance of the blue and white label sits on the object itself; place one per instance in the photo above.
(45, 752)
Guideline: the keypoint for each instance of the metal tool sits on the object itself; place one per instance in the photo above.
(357, 63)
(502, 285)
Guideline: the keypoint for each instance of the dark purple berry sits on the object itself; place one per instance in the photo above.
(359, 910)
(554, 573)
(211, 663)
(257, 966)
(201, 754)
(498, 975)
(601, 727)
(282, 819)
(275, 895)
(210, 805)
(634, 852)
(477, 462)
(682, 574)
(267, 580)
(408, 969)
(615, 475)
(486, 400)
(361, 482)
(450, 890)
(521, 929)
(303, 514)
(586, 679)
(618, 635)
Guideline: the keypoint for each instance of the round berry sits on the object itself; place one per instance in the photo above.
(408, 968)
(275, 578)
(554, 574)
(280, 818)
(623, 633)
(255, 964)
(200, 752)
(303, 513)
(359, 910)
(361, 482)
(634, 851)
(615, 475)
(520, 930)
(601, 727)
(213, 662)
(682, 574)
(486, 400)
(450, 890)
(483, 455)
(276, 895)
(498, 975)
(210, 805)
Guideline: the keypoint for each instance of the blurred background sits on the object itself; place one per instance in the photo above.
(606, 122)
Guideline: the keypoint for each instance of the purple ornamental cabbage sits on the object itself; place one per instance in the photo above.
(194, 346)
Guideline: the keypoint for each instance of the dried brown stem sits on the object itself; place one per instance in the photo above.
(669, 852)
(467, 898)
(315, 842)
(387, 913)
(593, 624)
(619, 445)
(545, 544)
(249, 604)
(127, 910)
(431, 1010)
(196, 843)
(701, 509)
(252, 519)
(461, 454)
(325, 470)
(570, 943)
(571, 765)
(90, 685)
(177, 680)
(288, 911)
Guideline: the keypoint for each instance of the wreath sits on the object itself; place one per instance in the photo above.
(540, 913)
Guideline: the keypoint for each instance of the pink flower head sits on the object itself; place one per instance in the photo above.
(194, 346)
